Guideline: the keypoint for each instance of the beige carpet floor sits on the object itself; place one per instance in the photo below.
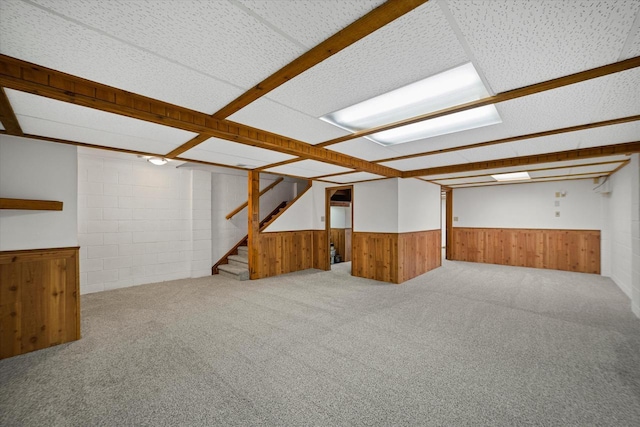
(465, 344)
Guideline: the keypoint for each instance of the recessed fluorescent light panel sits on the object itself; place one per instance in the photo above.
(514, 176)
(450, 88)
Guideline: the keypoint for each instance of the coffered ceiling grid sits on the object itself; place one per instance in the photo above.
(124, 44)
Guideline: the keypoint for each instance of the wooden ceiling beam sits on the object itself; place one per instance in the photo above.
(31, 78)
(7, 116)
(582, 153)
(501, 97)
(516, 138)
(367, 24)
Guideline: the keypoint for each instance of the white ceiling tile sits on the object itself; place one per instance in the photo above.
(514, 40)
(622, 94)
(46, 117)
(212, 37)
(273, 117)
(308, 22)
(363, 148)
(352, 177)
(308, 169)
(34, 35)
(424, 162)
(413, 47)
(225, 152)
(499, 151)
(632, 47)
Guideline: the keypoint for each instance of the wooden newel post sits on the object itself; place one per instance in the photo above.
(253, 229)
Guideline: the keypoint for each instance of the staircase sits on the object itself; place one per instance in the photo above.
(235, 263)
(238, 265)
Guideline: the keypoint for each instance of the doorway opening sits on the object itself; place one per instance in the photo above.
(339, 226)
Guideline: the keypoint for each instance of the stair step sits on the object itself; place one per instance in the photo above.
(243, 251)
(239, 260)
(234, 272)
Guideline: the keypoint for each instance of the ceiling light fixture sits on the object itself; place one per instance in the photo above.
(514, 176)
(158, 161)
(447, 89)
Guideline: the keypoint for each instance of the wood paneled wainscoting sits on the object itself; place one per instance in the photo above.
(570, 250)
(288, 251)
(395, 257)
(341, 238)
(39, 299)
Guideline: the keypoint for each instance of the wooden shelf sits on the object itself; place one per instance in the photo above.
(31, 205)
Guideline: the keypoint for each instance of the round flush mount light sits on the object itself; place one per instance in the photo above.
(158, 161)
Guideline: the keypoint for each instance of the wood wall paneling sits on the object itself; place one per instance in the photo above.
(39, 299)
(320, 250)
(375, 256)
(348, 233)
(284, 252)
(569, 250)
(393, 257)
(418, 252)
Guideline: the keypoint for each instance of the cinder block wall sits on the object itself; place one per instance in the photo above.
(139, 223)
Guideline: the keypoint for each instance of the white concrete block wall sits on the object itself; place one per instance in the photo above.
(201, 261)
(139, 223)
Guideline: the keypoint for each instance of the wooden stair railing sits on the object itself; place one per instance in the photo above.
(245, 204)
(243, 241)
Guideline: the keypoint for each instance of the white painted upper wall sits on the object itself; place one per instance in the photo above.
(418, 205)
(338, 217)
(31, 169)
(618, 227)
(375, 206)
(297, 216)
(530, 206)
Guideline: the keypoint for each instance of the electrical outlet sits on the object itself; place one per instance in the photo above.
(557, 214)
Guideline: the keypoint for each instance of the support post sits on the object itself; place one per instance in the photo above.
(253, 229)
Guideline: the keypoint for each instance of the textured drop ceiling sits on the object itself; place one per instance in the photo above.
(202, 55)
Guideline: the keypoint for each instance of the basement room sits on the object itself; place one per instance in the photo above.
(319, 212)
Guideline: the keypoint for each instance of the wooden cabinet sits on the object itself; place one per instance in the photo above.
(39, 299)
